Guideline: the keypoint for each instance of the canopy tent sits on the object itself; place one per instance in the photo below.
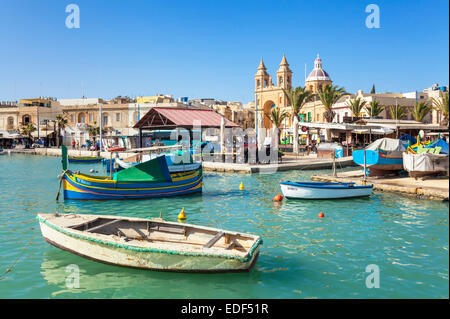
(172, 118)
(440, 143)
(387, 144)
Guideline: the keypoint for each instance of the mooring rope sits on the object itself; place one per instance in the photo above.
(10, 268)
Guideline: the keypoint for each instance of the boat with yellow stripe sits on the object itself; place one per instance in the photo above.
(85, 159)
(146, 180)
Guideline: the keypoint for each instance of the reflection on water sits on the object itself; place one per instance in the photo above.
(303, 256)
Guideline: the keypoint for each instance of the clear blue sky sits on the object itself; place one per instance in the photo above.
(211, 48)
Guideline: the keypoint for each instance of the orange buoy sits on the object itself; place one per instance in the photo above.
(321, 215)
(278, 198)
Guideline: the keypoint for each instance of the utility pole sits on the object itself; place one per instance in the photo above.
(38, 121)
(101, 119)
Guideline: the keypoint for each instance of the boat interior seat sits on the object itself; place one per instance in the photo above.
(214, 240)
(174, 229)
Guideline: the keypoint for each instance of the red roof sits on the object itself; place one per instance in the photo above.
(170, 117)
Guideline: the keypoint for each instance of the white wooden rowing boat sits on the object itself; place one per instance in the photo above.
(151, 243)
(313, 190)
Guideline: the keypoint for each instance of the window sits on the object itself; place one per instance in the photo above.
(258, 83)
(105, 120)
(26, 119)
(81, 118)
(10, 121)
(91, 117)
(117, 117)
(72, 118)
(265, 83)
(281, 80)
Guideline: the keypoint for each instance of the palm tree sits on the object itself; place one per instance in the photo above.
(441, 105)
(297, 99)
(276, 116)
(93, 130)
(329, 96)
(61, 122)
(421, 110)
(356, 106)
(374, 109)
(398, 111)
(28, 130)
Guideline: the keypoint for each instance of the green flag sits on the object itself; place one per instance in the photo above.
(64, 157)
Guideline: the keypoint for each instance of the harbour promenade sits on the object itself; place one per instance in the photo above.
(289, 162)
(310, 162)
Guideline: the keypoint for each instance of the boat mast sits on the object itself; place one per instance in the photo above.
(364, 165)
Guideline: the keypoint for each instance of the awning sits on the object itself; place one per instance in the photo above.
(170, 118)
(41, 133)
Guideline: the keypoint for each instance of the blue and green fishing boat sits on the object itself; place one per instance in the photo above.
(146, 180)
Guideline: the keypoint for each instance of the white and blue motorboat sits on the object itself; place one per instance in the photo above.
(318, 190)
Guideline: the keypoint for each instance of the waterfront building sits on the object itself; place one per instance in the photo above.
(318, 78)
(159, 98)
(236, 112)
(82, 116)
(408, 99)
(80, 102)
(268, 95)
(39, 112)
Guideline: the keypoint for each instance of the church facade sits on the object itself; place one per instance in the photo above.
(268, 95)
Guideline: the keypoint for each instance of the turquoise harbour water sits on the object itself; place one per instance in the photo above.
(303, 256)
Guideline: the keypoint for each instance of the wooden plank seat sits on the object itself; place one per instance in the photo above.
(168, 229)
(112, 222)
(214, 240)
(85, 224)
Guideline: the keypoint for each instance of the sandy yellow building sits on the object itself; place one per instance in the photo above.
(268, 95)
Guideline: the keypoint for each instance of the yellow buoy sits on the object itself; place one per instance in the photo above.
(182, 215)
(241, 187)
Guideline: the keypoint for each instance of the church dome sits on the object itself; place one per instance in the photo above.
(318, 74)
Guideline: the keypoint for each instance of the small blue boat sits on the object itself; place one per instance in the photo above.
(382, 157)
(317, 190)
